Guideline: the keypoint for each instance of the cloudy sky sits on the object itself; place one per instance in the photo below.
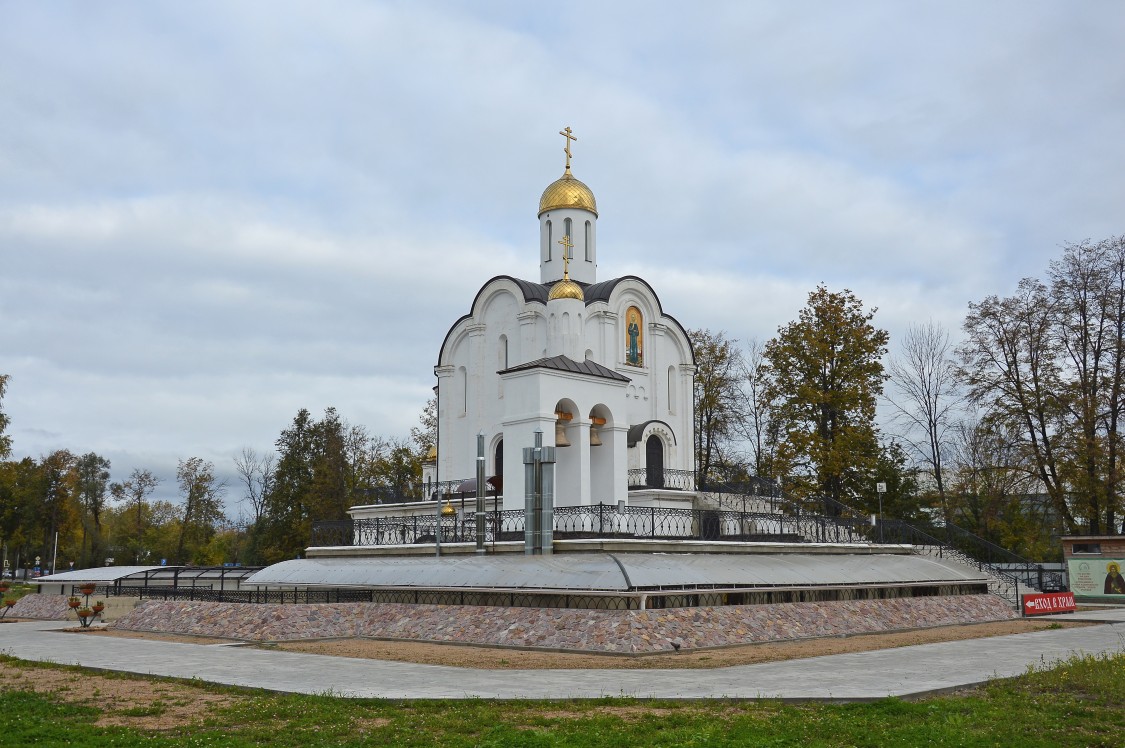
(214, 214)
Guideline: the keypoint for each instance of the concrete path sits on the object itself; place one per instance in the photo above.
(904, 671)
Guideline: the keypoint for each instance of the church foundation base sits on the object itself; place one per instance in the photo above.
(603, 631)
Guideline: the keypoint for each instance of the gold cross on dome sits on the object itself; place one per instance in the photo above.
(565, 241)
(566, 134)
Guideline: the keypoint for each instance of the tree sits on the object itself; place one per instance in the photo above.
(992, 484)
(1011, 372)
(5, 441)
(1050, 360)
(133, 495)
(924, 379)
(202, 507)
(826, 375)
(1088, 290)
(761, 426)
(256, 474)
(900, 501)
(424, 435)
(92, 480)
(312, 482)
(59, 507)
(719, 403)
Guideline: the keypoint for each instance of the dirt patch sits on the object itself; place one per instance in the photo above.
(128, 702)
(500, 659)
(121, 634)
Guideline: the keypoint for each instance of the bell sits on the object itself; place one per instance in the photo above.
(595, 440)
(560, 435)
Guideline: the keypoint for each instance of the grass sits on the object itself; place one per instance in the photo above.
(18, 590)
(1080, 702)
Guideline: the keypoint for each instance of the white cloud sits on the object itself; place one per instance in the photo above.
(213, 215)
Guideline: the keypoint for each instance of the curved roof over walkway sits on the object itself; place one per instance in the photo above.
(626, 572)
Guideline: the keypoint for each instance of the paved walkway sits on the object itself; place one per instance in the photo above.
(904, 671)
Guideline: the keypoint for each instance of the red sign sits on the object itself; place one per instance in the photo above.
(1048, 602)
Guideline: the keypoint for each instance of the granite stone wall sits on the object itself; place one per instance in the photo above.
(43, 607)
(582, 630)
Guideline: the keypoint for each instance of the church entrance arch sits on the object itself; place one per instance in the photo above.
(654, 462)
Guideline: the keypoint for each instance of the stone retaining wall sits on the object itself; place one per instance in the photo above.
(618, 631)
(43, 607)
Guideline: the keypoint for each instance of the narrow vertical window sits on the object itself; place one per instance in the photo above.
(550, 240)
(588, 244)
(567, 229)
(463, 375)
(672, 390)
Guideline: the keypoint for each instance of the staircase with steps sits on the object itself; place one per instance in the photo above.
(847, 525)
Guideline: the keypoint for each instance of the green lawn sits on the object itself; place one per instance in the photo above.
(1081, 703)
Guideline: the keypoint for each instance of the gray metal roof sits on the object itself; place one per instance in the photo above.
(152, 573)
(562, 363)
(97, 574)
(615, 572)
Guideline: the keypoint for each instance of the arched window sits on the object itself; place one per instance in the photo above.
(654, 462)
(589, 244)
(498, 460)
(550, 240)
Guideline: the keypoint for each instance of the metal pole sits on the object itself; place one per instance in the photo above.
(55, 555)
(480, 494)
(437, 513)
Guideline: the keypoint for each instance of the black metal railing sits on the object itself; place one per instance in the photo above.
(594, 521)
(673, 480)
(983, 553)
(415, 491)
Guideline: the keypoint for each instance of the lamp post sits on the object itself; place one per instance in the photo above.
(880, 489)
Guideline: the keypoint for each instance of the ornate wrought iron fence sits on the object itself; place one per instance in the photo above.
(593, 521)
(411, 492)
(672, 480)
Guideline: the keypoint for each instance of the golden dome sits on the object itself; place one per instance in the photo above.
(566, 289)
(567, 192)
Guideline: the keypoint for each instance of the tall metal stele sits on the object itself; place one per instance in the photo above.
(480, 494)
(539, 497)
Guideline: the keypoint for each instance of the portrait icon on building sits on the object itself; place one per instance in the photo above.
(1114, 582)
(634, 337)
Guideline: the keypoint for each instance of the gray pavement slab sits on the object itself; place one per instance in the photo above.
(903, 671)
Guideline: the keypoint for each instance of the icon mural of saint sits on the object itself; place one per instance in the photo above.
(634, 349)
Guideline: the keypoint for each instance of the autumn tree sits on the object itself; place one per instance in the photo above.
(92, 484)
(424, 435)
(826, 375)
(1049, 361)
(5, 441)
(202, 508)
(311, 482)
(720, 406)
(132, 494)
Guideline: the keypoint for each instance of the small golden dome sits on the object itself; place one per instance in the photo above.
(431, 456)
(567, 192)
(566, 289)
(448, 510)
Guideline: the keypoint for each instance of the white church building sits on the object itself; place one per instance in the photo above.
(597, 366)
